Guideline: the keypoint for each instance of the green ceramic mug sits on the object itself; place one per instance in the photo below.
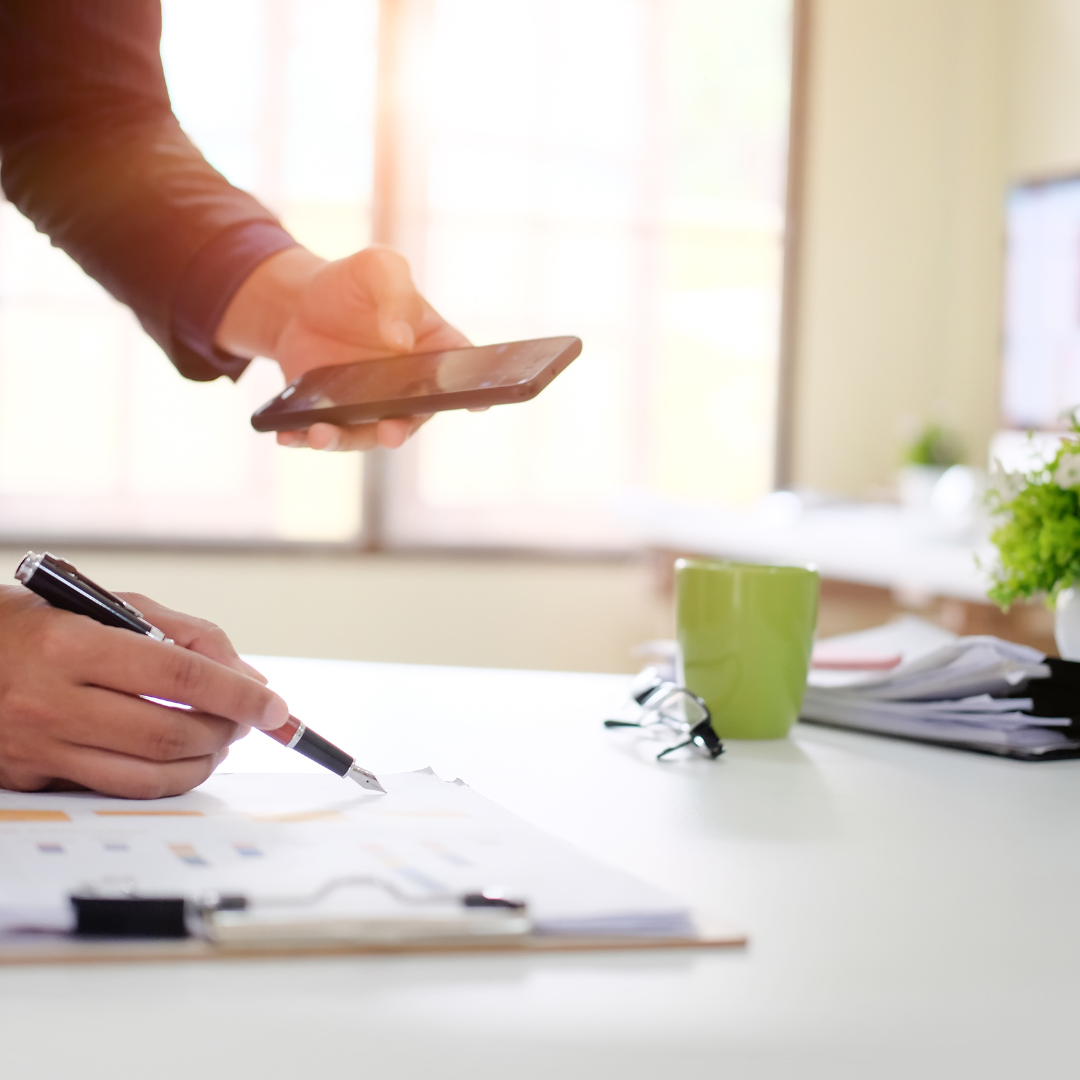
(745, 634)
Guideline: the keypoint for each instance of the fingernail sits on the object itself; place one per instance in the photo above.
(401, 334)
(275, 714)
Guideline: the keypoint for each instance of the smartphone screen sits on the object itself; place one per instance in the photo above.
(420, 383)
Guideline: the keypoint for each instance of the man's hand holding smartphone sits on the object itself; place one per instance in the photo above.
(305, 313)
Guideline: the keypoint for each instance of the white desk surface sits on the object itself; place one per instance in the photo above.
(913, 913)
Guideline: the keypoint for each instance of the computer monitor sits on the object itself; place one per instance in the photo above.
(1040, 382)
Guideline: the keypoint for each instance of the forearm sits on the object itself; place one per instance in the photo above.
(92, 154)
(134, 214)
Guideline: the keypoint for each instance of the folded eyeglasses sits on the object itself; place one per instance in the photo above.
(666, 707)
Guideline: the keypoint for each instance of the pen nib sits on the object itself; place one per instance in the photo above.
(367, 780)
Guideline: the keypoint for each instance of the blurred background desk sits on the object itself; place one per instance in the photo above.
(875, 560)
(911, 911)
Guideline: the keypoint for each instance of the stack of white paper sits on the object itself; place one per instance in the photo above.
(946, 689)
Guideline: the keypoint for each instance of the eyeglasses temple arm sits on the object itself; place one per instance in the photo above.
(672, 749)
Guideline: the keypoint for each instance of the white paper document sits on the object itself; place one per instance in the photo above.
(966, 690)
(309, 850)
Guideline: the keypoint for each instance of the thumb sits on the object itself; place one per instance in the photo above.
(383, 275)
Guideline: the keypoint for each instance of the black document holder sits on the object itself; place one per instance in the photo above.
(1058, 695)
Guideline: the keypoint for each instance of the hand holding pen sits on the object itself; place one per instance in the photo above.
(73, 710)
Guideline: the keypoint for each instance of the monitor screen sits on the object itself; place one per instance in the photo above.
(1041, 366)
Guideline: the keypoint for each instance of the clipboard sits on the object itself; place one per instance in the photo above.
(414, 855)
(71, 950)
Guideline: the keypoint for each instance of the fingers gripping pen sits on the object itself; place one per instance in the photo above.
(61, 585)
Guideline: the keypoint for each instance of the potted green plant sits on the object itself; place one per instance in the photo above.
(1038, 539)
(927, 456)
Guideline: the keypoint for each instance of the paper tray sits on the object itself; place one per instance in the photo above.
(993, 751)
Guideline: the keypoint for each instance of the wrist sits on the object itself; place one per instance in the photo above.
(263, 305)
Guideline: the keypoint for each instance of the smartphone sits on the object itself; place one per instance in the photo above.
(417, 384)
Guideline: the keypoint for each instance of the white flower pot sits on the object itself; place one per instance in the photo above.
(917, 483)
(1067, 623)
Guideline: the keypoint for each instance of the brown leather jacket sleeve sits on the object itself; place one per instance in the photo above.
(91, 152)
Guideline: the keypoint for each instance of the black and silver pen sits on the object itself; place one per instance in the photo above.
(60, 584)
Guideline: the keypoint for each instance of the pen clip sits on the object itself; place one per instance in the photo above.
(62, 585)
(106, 597)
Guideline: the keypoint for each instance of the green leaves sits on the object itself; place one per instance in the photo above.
(933, 446)
(1038, 540)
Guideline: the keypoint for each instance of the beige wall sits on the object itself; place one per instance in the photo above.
(921, 112)
(574, 616)
(1044, 88)
(902, 231)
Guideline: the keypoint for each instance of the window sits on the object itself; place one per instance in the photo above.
(607, 168)
(613, 169)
